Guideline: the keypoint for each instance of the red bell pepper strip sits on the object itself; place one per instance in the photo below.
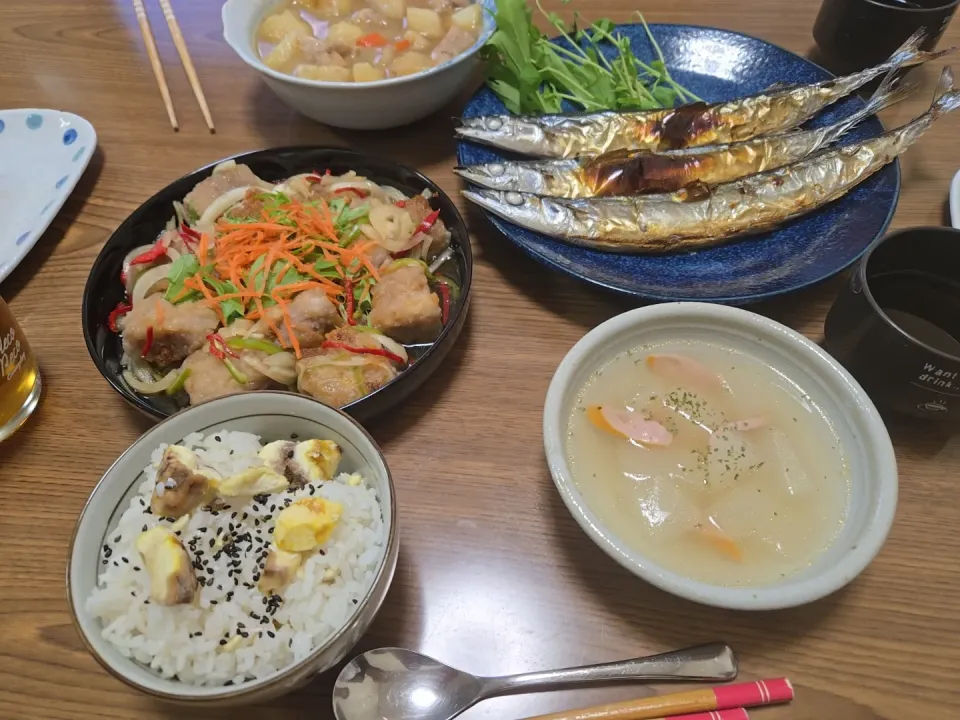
(360, 193)
(349, 301)
(328, 344)
(401, 203)
(402, 45)
(148, 343)
(219, 348)
(444, 291)
(118, 312)
(427, 223)
(158, 250)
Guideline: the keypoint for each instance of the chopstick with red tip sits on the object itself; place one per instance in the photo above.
(705, 704)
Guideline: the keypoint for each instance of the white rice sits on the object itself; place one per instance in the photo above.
(187, 641)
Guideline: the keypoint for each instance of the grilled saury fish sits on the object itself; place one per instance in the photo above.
(773, 111)
(691, 219)
(638, 172)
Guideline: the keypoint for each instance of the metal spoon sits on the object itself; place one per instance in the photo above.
(398, 684)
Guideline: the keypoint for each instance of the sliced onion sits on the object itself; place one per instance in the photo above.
(131, 272)
(281, 367)
(147, 281)
(225, 165)
(391, 345)
(394, 225)
(354, 361)
(139, 368)
(392, 194)
(427, 193)
(152, 388)
(219, 206)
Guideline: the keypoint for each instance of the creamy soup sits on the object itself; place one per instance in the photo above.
(709, 462)
(366, 40)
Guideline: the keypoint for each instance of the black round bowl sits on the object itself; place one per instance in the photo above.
(104, 290)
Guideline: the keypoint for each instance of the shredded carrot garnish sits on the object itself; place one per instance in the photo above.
(158, 311)
(291, 236)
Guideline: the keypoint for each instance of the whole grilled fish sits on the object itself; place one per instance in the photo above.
(692, 218)
(639, 172)
(773, 111)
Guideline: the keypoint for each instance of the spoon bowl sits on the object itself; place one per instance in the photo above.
(398, 684)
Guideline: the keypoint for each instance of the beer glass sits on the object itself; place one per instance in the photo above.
(19, 375)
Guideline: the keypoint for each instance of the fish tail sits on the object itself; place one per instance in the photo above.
(910, 54)
(891, 91)
(946, 96)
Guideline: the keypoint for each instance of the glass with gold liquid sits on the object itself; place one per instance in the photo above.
(19, 375)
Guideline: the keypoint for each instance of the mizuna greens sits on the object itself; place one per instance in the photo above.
(533, 75)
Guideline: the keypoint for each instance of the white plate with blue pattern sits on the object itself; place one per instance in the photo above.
(43, 153)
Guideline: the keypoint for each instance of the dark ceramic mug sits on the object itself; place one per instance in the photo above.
(896, 325)
(857, 34)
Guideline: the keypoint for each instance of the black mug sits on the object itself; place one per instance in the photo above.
(857, 34)
(896, 325)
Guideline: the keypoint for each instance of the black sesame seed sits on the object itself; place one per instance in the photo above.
(132, 594)
(107, 551)
(105, 562)
(223, 642)
(117, 539)
(203, 529)
(116, 564)
(270, 633)
(213, 602)
(136, 568)
(217, 438)
(244, 634)
(212, 542)
(126, 560)
(144, 528)
(293, 436)
(354, 601)
(240, 625)
(254, 616)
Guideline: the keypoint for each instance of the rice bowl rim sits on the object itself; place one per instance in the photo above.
(384, 572)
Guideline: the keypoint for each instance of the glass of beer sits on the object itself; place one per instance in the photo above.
(19, 375)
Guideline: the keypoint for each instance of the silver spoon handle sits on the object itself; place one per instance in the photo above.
(711, 662)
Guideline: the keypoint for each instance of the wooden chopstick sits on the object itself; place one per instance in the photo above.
(155, 61)
(188, 67)
(710, 700)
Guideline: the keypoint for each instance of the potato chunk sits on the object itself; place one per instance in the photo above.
(468, 18)
(365, 72)
(409, 63)
(283, 53)
(425, 21)
(343, 36)
(276, 27)
(395, 9)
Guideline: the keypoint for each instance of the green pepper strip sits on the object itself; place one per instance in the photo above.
(179, 383)
(242, 343)
(234, 373)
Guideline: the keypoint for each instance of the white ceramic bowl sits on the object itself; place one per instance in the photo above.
(873, 469)
(357, 106)
(273, 416)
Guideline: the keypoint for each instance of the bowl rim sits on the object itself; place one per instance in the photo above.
(233, 692)
(246, 54)
(460, 239)
(860, 412)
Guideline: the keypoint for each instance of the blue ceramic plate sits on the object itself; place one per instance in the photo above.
(43, 153)
(720, 65)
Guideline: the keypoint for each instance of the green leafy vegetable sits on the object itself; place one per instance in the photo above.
(183, 267)
(533, 75)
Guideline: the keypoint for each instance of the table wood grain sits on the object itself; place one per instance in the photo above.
(494, 575)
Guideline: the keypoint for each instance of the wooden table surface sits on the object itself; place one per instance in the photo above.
(494, 575)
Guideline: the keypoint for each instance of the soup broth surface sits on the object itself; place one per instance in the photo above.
(366, 40)
(737, 477)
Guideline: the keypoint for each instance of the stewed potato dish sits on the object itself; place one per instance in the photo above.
(366, 40)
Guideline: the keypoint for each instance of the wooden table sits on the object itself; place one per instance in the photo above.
(494, 575)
